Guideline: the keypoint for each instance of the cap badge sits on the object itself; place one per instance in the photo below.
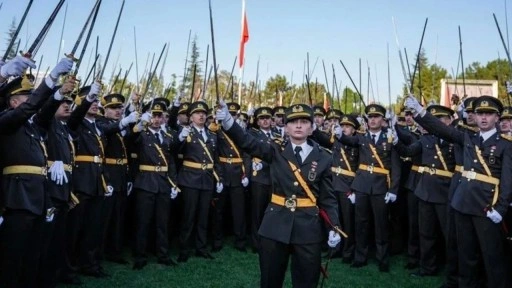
(297, 108)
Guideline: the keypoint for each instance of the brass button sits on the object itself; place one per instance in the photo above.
(295, 183)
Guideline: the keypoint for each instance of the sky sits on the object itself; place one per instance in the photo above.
(282, 32)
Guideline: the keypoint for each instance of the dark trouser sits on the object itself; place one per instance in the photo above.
(196, 204)
(151, 206)
(21, 248)
(54, 239)
(85, 227)
(237, 195)
(116, 224)
(274, 255)
(347, 220)
(479, 234)
(367, 205)
(452, 260)
(260, 197)
(413, 240)
(430, 214)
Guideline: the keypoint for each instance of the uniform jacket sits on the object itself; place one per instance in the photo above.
(262, 176)
(116, 149)
(303, 226)
(60, 148)
(341, 182)
(233, 172)
(375, 183)
(474, 197)
(23, 143)
(431, 187)
(149, 154)
(193, 151)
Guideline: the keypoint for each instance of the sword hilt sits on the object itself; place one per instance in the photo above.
(72, 57)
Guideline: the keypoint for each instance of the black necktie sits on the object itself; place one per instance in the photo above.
(201, 133)
(373, 138)
(268, 135)
(157, 135)
(297, 154)
(481, 141)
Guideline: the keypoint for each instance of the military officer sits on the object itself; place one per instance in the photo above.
(260, 188)
(155, 185)
(483, 193)
(198, 176)
(345, 161)
(319, 113)
(278, 114)
(234, 164)
(24, 169)
(375, 184)
(116, 166)
(436, 170)
(302, 184)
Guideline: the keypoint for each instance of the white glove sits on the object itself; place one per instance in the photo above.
(174, 193)
(413, 104)
(50, 213)
(63, 67)
(334, 239)
(390, 197)
(494, 216)
(129, 188)
(393, 121)
(251, 112)
(395, 136)
(222, 113)
(352, 198)
(16, 67)
(131, 118)
(177, 101)
(110, 191)
(146, 117)
(257, 166)
(219, 187)
(245, 181)
(509, 87)
(184, 134)
(94, 92)
(338, 131)
(58, 175)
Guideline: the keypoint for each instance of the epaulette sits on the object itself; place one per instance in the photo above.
(255, 130)
(361, 132)
(168, 135)
(505, 136)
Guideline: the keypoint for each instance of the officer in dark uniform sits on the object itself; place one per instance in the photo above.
(345, 161)
(61, 156)
(302, 184)
(90, 181)
(319, 116)
(234, 164)
(375, 185)
(278, 113)
(334, 117)
(178, 116)
(261, 188)
(197, 178)
(484, 191)
(155, 185)
(243, 117)
(436, 170)
(23, 161)
(116, 166)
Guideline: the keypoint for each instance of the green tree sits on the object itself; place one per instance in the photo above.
(497, 69)
(10, 36)
(192, 62)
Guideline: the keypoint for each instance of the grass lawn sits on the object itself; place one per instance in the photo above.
(234, 269)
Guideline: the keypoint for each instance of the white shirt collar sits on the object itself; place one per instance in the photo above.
(486, 135)
(306, 149)
(377, 134)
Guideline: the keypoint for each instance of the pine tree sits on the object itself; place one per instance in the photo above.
(192, 61)
(10, 36)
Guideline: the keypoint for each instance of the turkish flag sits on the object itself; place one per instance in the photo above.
(244, 37)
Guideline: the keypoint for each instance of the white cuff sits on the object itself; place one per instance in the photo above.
(49, 82)
(228, 123)
(57, 96)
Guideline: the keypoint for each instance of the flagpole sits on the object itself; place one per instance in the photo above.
(241, 59)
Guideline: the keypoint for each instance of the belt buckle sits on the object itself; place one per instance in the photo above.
(44, 171)
(370, 169)
(96, 159)
(204, 166)
(291, 203)
(230, 160)
(471, 175)
(432, 171)
(421, 169)
(158, 168)
(338, 170)
(119, 161)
